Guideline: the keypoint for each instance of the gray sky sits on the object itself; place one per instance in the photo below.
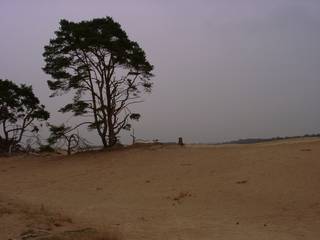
(225, 69)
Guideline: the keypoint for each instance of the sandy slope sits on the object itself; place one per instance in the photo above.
(262, 191)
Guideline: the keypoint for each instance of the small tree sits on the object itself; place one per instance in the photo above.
(133, 136)
(19, 109)
(66, 137)
(107, 71)
(136, 117)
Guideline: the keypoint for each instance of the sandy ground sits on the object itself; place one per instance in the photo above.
(260, 191)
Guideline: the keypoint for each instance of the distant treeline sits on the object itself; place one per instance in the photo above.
(259, 140)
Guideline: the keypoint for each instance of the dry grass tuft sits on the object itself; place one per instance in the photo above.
(81, 234)
(181, 196)
(42, 224)
(5, 211)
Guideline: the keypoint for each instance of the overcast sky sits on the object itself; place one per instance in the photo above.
(225, 69)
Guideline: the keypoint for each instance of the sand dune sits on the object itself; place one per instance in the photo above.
(260, 191)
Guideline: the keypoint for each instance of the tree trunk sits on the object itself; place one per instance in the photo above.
(112, 137)
(69, 146)
(7, 146)
(133, 137)
(104, 141)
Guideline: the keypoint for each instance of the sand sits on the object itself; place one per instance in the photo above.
(258, 191)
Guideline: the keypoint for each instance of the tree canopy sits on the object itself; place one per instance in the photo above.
(19, 109)
(105, 71)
